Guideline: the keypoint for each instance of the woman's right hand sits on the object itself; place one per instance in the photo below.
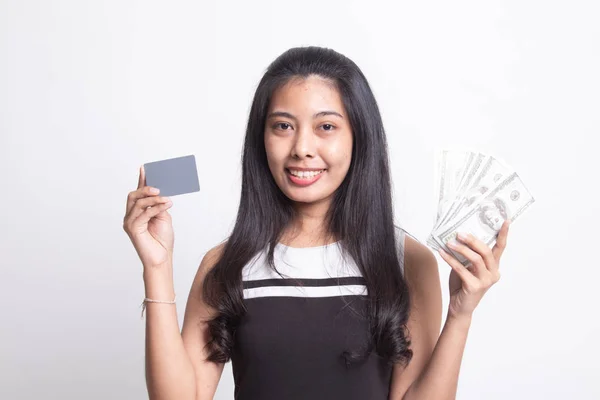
(148, 224)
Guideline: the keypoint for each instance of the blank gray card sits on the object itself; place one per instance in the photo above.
(173, 176)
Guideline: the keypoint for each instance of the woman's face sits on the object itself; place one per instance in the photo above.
(307, 128)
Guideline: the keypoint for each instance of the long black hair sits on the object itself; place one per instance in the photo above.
(361, 215)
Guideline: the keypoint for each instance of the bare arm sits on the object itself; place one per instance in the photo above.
(195, 331)
(169, 371)
(439, 378)
(175, 366)
(422, 275)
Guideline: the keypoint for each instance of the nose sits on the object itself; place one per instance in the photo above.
(305, 143)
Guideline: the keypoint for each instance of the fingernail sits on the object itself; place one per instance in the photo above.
(154, 191)
(462, 236)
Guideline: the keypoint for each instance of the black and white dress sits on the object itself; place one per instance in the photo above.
(289, 344)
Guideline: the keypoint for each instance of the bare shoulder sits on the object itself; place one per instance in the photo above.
(422, 275)
(421, 272)
(418, 258)
(213, 255)
(209, 260)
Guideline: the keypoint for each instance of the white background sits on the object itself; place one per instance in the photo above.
(90, 90)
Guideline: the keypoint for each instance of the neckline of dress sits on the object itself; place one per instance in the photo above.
(284, 246)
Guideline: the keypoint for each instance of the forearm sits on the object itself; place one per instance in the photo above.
(169, 371)
(439, 379)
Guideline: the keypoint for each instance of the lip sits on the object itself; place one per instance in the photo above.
(304, 182)
(305, 169)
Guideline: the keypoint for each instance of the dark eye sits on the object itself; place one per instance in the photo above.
(282, 125)
(328, 127)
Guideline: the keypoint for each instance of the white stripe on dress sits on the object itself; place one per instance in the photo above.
(305, 291)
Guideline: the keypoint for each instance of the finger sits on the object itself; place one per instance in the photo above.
(465, 275)
(150, 213)
(477, 261)
(483, 250)
(141, 184)
(163, 214)
(142, 178)
(500, 245)
(142, 204)
(133, 197)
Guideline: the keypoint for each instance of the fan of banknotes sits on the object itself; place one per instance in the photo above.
(476, 193)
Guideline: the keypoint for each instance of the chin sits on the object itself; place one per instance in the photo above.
(307, 197)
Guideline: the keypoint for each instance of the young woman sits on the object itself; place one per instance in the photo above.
(316, 294)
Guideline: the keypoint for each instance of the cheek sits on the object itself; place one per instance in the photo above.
(274, 152)
(340, 154)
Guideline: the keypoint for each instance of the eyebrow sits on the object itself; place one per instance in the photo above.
(288, 115)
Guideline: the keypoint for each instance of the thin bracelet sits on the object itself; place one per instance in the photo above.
(147, 300)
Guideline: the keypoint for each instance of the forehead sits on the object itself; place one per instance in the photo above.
(308, 94)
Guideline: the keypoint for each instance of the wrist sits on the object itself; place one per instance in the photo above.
(150, 271)
(158, 283)
(460, 320)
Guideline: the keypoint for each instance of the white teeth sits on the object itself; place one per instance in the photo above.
(306, 174)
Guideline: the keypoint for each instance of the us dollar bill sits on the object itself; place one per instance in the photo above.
(451, 166)
(490, 175)
(472, 170)
(507, 201)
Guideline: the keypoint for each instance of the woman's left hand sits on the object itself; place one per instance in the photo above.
(468, 285)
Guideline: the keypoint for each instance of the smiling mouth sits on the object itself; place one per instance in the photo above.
(305, 175)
